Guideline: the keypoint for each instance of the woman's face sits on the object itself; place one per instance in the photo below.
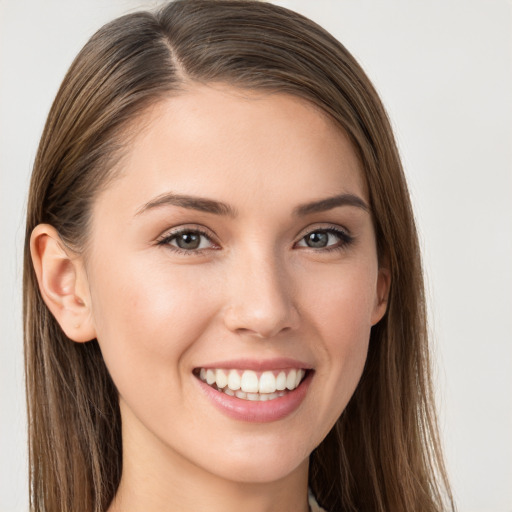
(235, 248)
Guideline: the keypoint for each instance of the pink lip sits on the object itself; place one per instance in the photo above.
(281, 363)
(257, 412)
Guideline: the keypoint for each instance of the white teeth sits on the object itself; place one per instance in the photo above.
(281, 381)
(210, 377)
(249, 382)
(234, 380)
(290, 379)
(247, 385)
(267, 383)
(221, 379)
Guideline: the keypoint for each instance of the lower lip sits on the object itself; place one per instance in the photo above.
(258, 412)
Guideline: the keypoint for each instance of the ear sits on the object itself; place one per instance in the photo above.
(63, 283)
(381, 294)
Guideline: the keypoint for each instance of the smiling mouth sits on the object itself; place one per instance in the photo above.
(251, 385)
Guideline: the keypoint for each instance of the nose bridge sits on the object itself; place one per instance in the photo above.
(260, 298)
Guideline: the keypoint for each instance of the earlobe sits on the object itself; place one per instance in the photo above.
(62, 282)
(382, 294)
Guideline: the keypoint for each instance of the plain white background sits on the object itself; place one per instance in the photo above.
(444, 71)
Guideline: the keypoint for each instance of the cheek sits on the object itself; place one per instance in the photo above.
(340, 303)
(341, 312)
(147, 322)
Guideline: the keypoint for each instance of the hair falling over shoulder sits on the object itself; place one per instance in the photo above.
(383, 454)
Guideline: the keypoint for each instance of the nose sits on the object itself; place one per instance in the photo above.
(260, 298)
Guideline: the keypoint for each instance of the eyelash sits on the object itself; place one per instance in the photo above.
(168, 238)
(345, 240)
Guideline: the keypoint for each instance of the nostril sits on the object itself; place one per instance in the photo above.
(263, 334)
(260, 324)
(260, 303)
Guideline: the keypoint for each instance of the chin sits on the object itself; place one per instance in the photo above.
(263, 472)
(258, 463)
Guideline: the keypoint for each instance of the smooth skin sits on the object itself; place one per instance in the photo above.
(254, 279)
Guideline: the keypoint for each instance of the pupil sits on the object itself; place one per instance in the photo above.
(317, 239)
(188, 241)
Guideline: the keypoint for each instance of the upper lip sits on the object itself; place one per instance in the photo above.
(258, 365)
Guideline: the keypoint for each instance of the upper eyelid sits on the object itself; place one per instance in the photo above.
(203, 230)
(167, 237)
(343, 235)
(324, 227)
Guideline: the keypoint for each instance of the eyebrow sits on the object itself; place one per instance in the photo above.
(329, 203)
(219, 208)
(194, 203)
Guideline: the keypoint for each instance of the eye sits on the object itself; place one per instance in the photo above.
(187, 241)
(329, 239)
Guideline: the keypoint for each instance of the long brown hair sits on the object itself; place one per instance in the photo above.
(383, 454)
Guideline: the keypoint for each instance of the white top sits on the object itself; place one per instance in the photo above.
(313, 505)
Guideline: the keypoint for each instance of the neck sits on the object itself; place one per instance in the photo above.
(156, 478)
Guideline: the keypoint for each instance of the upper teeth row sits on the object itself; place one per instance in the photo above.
(249, 382)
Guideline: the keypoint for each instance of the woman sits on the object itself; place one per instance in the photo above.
(223, 293)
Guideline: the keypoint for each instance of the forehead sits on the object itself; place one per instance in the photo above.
(234, 144)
